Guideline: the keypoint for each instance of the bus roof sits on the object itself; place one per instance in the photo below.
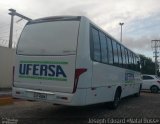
(67, 18)
(54, 18)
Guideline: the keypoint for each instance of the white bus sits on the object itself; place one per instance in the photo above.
(70, 61)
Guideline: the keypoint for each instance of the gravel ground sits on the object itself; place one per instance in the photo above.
(145, 106)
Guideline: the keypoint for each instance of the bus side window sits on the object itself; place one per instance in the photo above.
(104, 51)
(123, 56)
(132, 61)
(115, 53)
(135, 62)
(110, 50)
(127, 58)
(96, 45)
(120, 55)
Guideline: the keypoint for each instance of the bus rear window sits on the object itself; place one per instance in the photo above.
(49, 38)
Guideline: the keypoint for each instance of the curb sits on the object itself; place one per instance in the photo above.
(6, 100)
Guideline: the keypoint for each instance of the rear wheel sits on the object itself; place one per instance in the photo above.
(154, 89)
(115, 103)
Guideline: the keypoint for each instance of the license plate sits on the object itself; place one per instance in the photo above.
(40, 96)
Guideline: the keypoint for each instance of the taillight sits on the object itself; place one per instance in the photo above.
(13, 75)
(78, 72)
(158, 82)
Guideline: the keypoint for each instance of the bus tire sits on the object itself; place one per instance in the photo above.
(117, 98)
(154, 89)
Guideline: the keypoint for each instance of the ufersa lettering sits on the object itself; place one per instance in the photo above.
(41, 70)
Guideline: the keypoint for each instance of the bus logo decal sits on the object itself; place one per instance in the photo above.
(45, 71)
(129, 77)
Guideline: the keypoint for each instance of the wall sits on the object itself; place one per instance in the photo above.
(6, 66)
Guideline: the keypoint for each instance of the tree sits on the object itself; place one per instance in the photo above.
(147, 65)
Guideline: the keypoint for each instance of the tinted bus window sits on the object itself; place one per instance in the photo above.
(134, 64)
(119, 54)
(130, 59)
(115, 52)
(137, 64)
(110, 52)
(123, 56)
(96, 45)
(127, 58)
(104, 52)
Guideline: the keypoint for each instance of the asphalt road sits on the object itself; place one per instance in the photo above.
(145, 106)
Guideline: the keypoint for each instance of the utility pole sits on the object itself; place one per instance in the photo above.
(155, 46)
(11, 27)
(121, 24)
(14, 13)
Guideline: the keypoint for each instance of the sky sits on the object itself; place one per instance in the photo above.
(141, 18)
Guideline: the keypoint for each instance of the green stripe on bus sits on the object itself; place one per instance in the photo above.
(43, 78)
(42, 62)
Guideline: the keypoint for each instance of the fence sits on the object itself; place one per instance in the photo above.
(6, 66)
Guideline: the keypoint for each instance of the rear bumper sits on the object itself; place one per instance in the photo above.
(76, 99)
